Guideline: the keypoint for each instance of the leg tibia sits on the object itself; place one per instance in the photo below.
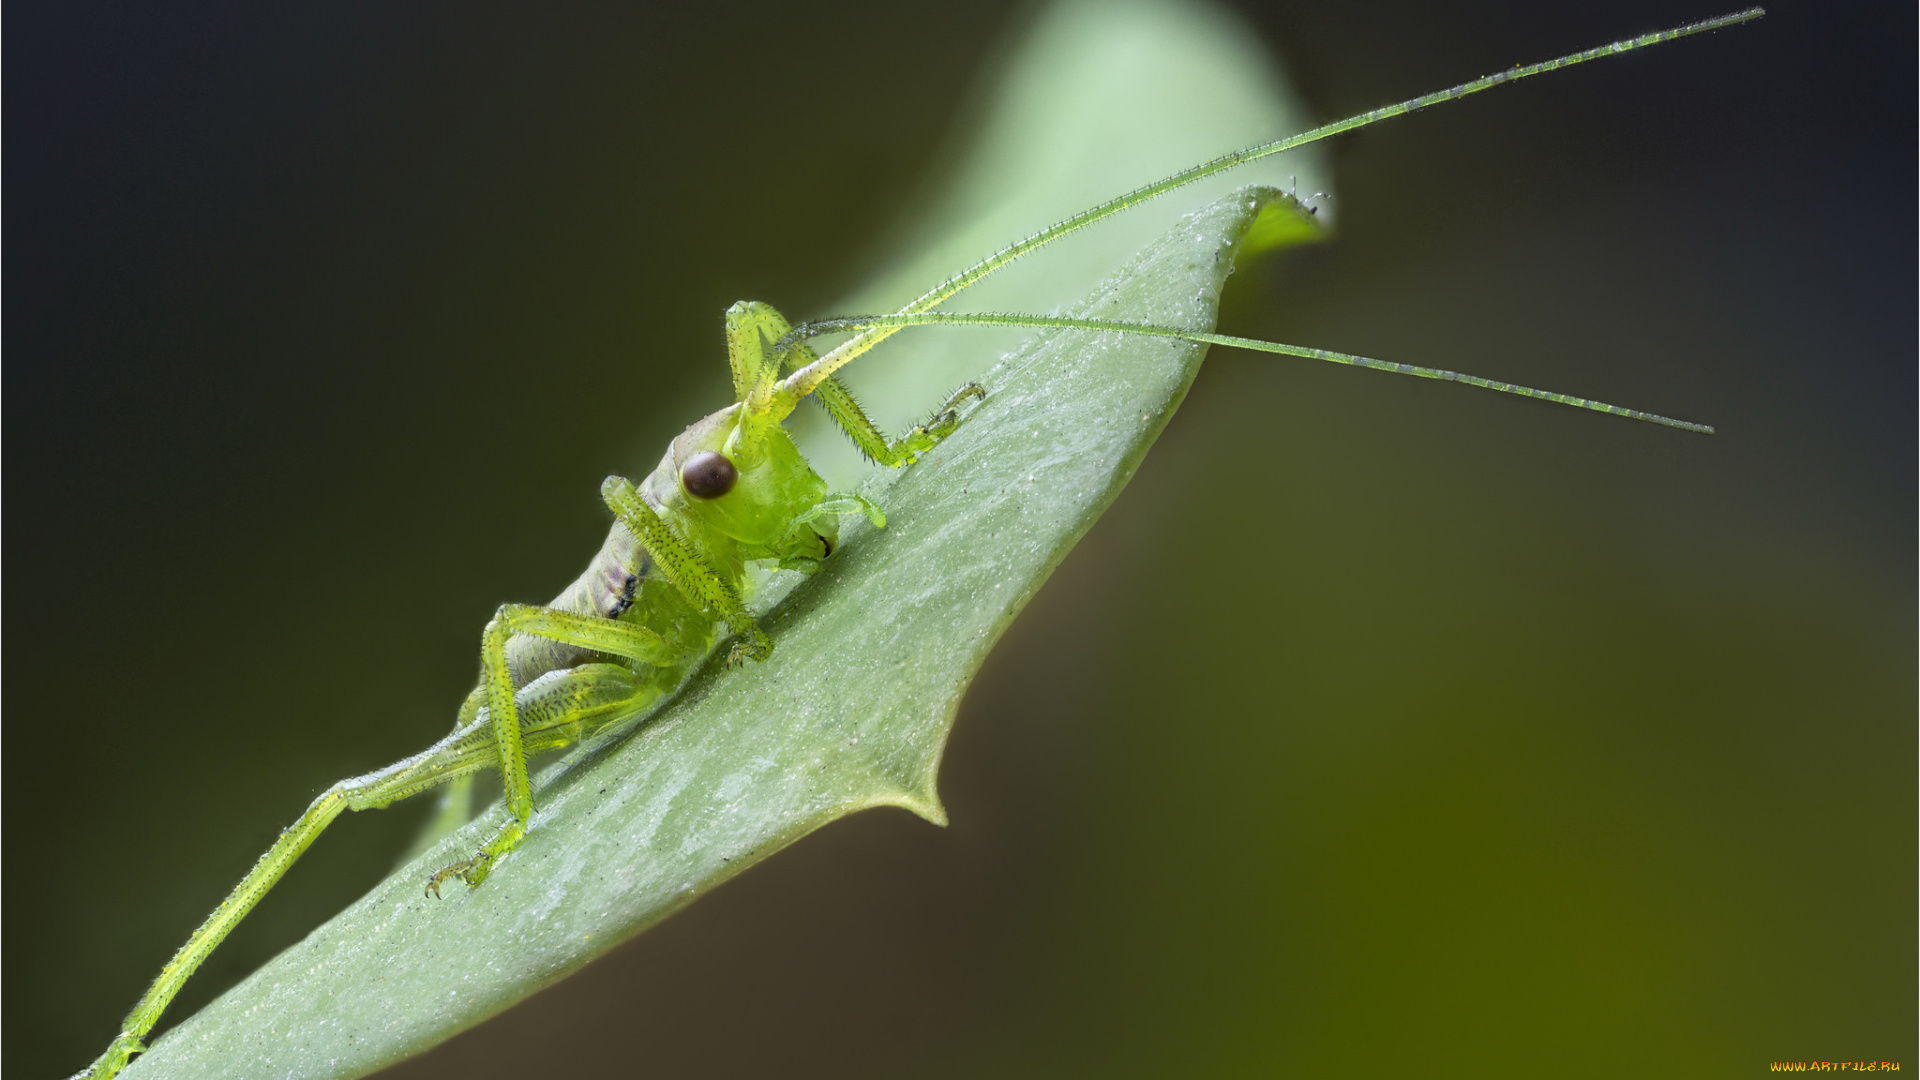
(751, 327)
(504, 716)
(555, 710)
(846, 412)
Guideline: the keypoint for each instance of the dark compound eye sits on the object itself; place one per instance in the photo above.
(708, 475)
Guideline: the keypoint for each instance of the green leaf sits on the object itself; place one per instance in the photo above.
(851, 711)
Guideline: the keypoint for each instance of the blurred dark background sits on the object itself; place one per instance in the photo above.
(1382, 727)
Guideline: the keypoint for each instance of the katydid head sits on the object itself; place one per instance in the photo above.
(753, 497)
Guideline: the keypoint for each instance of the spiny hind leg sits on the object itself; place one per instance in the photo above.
(496, 682)
(846, 412)
(369, 792)
(559, 709)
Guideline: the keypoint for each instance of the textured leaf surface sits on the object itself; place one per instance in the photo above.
(852, 711)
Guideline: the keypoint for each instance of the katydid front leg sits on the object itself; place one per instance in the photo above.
(754, 351)
(905, 450)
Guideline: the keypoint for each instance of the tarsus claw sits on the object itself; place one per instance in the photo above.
(463, 870)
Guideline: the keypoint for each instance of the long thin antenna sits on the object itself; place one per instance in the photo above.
(802, 382)
(942, 318)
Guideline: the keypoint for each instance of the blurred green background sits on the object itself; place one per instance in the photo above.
(1382, 727)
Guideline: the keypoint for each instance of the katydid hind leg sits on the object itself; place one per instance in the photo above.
(611, 636)
(449, 759)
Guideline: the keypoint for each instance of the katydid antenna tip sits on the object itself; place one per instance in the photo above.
(1733, 19)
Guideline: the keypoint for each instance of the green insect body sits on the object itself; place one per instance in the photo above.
(674, 574)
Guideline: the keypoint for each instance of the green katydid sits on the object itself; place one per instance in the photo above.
(733, 489)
